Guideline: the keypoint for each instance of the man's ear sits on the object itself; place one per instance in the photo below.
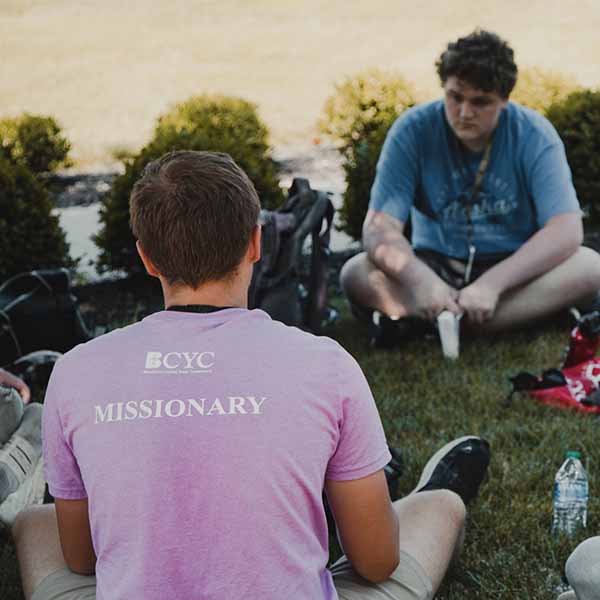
(148, 264)
(254, 246)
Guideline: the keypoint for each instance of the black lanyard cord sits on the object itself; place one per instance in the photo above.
(472, 198)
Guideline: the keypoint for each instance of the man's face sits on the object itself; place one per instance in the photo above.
(472, 113)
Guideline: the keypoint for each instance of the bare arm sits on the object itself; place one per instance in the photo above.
(11, 380)
(554, 243)
(75, 535)
(389, 250)
(386, 246)
(367, 524)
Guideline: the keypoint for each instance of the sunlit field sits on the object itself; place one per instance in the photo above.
(107, 69)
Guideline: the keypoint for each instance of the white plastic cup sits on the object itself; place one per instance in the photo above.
(449, 330)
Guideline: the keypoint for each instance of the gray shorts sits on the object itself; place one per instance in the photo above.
(407, 582)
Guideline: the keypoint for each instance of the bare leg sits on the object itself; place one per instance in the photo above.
(364, 284)
(575, 280)
(38, 547)
(432, 530)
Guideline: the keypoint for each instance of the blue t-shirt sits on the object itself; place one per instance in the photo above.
(424, 170)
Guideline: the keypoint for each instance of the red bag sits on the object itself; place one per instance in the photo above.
(577, 384)
(582, 381)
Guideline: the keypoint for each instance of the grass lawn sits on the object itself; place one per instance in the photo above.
(424, 402)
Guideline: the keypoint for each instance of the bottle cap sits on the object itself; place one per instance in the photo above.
(573, 454)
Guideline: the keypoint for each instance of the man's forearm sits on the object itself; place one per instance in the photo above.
(75, 535)
(420, 292)
(392, 253)
(549, 247)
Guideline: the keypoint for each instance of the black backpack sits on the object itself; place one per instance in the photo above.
(39, 312)
(288, 285)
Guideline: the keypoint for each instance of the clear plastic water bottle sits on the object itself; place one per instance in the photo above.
(570, 496)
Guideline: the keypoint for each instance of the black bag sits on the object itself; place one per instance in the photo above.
(393, 471)
(35, 368)
(283, 285)
(39, 312)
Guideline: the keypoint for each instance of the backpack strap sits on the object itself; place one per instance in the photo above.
(293, 223)
(275, 226)
(316, 305)
(276, 277)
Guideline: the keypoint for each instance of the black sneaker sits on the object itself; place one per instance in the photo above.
(459, 466)
(390, 333)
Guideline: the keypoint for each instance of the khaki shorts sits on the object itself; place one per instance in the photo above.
(66, 585)
(407, 582)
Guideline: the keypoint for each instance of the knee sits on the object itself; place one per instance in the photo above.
(359, 279)
(21, 525)
(28, 520)
(350, 275)
(454, 507)
(450, 504)
(583, 568)
(589, 261)
(359, 273)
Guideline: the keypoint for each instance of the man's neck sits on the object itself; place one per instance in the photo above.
(211, 294)
(476, 146)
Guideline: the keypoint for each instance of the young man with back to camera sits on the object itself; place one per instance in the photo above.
(188, 452)
(496, 225)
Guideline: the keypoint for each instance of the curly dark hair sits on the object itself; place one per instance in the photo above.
(482, 59)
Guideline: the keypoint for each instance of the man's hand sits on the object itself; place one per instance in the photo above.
(434, 296)
(7, 378)
(479, 301)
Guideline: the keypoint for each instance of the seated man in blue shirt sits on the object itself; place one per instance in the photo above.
(496, 224)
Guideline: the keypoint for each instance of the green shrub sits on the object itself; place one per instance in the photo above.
(577, 120)
(539, 88)
(214, 123)
(34, 141)
(359, 169)
(30, 236)
(357, 117)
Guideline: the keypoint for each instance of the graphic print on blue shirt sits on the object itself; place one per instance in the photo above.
(420, 170)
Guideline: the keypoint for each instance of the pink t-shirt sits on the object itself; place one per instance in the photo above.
(202, 442)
